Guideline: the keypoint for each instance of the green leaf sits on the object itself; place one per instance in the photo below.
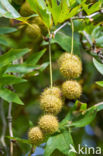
(3, 41)
(99, 106)
(34, 58)
(9, 96)
(61, 142)
(85, 118)
(62, 11)
(10, 80)
(12, 55)
(98, 65)
(7, 41)
(80, 106)
(44, 66)
(89, 10)
(65, 42)
(26, 68)
(7, 10)
(5, 30)
(55, 9)
(95, 7)
(24, 141)
(22, 68)
(3, 69)
(72, 13)
(39, 6)
(100, 83)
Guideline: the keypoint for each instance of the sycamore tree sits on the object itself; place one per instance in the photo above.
(51, 67)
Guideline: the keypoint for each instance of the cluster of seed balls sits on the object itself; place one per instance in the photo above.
(38, 27)
(51, 100)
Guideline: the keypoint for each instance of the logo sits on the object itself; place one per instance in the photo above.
(85, 149)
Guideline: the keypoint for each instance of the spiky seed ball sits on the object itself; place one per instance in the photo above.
(34, 31)
(71, 89)
(35, 135)
(51, 104)
(70, 65)
(37, 20)
(52, 91)
(26, 10)
(48, 124)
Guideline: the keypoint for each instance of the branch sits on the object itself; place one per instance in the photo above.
(87, 17)
(10, 127)
(87, 37)
(78, 17)
(62, 26)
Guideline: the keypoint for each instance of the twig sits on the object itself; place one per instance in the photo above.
(4, 125)
(60, 27)
(87, 17)
(87, 37)
(77, 17)
(10, 127)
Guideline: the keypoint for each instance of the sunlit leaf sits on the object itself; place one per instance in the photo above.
(98, 65)
(7, 10)
(100, 83)
(9, 96)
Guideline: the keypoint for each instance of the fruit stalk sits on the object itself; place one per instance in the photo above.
(72, 36)
(50, 60)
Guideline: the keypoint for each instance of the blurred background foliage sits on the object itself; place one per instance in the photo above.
(34, 67)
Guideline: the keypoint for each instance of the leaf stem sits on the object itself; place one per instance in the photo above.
(50, 60)
(72, 37)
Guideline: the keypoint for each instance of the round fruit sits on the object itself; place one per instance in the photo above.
(48, 124)
(26, 10)
(52, 91)
(37, 20)
(70, 65)
(35, 135)
(34, 31)
(51, 104)
(71, 89)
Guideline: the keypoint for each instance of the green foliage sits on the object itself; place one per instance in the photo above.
(62, 11)
(7, 10)
(98, 65)
(63, 39)
(100, 83)
(4, 30)
(40, 8)
(9, 96)
(24, 73)
(89, 10)
(7, 79)
(12, 55)
(61, 142)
